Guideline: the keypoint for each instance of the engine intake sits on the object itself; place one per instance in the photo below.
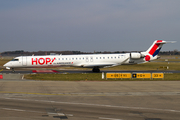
(136, 55)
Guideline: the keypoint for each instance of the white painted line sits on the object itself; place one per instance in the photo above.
(19, 110)
(70, 115)
(61, 114)
(103, 118)
(99, 105)
(14, 109)
(52, 113)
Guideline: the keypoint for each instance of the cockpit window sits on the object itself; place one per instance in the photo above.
(15, 60)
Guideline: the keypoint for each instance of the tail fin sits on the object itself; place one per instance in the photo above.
(152, 52)
(156, 47)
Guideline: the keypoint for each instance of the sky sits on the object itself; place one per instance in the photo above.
(88, 25)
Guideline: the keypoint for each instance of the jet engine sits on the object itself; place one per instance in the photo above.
(136, 55)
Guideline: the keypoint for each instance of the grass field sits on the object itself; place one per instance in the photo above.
(94, 77)
(149, 66)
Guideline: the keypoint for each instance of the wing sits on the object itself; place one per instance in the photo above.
(100, 65)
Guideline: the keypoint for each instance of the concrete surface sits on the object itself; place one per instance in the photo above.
(12, 76)
(123, 100)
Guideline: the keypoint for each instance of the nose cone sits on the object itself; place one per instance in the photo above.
(7, 65)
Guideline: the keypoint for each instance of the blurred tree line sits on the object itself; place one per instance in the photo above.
(27, 53)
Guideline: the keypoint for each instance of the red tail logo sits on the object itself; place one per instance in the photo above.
(155, 49)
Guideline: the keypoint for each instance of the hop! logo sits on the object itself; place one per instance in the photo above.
(42, 61)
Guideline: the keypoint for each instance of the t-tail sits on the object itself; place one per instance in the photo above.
(152, 52)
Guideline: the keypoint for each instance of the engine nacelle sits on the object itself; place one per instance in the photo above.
(136, 55)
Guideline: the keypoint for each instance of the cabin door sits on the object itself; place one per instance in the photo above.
(91, 59)
(24, 61)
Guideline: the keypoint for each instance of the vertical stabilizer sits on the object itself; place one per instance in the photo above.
(155, 47)
(152, 52)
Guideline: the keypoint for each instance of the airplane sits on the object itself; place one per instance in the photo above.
(94, 61)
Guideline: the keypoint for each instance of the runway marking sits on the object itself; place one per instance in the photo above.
(99, 105)
(14, 109)
(20, 110)
(30, 93)
(109, 118)
(97, 94)
(58, 94)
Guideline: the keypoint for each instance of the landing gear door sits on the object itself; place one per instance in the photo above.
(24, 61)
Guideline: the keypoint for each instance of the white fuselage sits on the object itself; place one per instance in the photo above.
(87, 61)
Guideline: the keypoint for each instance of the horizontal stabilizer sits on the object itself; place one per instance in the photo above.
(164, 42)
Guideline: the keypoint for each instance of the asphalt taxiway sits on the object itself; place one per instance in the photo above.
(83, 100)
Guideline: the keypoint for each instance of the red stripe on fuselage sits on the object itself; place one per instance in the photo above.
(154, 48)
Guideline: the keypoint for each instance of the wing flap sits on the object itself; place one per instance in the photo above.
(100, 65)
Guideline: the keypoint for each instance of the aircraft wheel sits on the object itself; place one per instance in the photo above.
(13, 70)
(96, 70)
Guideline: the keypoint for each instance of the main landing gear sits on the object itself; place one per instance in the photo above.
(96, 69)
(13, 70)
